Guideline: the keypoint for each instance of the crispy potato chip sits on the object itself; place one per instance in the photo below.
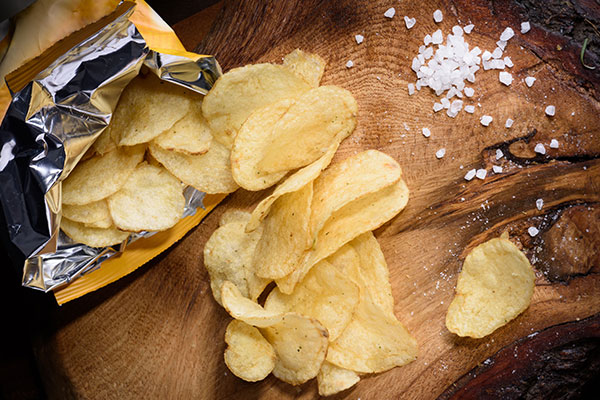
(93, 237)
(240, 91)
(290, 134)
(362, 215)
(356, 176)
(324, 294)
(100, 176)
(150, 200)
(87, 213)
(244, 309)
(248, 354)
(147, 107)
(309, 67)
(228, 257)
(332, 379)
(300, 344)
(372, 342)
(495, 285)
(189, 135)
(233, 215)
(285, 235)
(105, 142)
(209, 172)
(292, 183)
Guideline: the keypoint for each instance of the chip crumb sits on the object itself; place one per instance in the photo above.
(499, 154)
(481, 173)
(533, 231)
(550, 111)
(525, 27)
(349, 64)
(440, 153)
(530, 80)
(410, 22)
(540, 149)
(497, 169)
(359, 38)
(468, 28)
(390, 12)
(438, 16)
(509, 123)
(554, 144)
(539, 204)
(470, 174)
(426, 132)
(486, 120)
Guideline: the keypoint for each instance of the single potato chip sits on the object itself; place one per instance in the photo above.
(240, 91)
(209, 172)
(189, 135)
(93, 237)
(285, 235)
(300, 344)
(100, 176)
(309, 67)
(248, 354)
(244, 309)
(87, 213)
(290, 134)
(105, 142)
(325, 294)
(150, 200)
(495, 285)
(228, 257)
(332, 379)
(147, 107)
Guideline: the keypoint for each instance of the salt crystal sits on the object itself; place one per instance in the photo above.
(550, 111)
(499, 154)
(410, 22)
(505, 78)
(411, 89)
(427, 40)
(554, 144)
(497, 169)
(507, 34)
(532, 230)
(469, 91)
(539, 148)
(457, 30)
(529, 81)
(445, 102)
(486, 55)
(497, 53)
(509, 123)
(349, 64)
(468, 28)
(481, 173)
(437, 107)
(501, 44)
(525, 27)
(426, 132)
(539, 203)
(471, 174)
(437, 37)
(390, 12)
(497, 64)
(470, 109)
(359, 38)
(438, 16)
(508, 62)
(440, 153)
(486, 120)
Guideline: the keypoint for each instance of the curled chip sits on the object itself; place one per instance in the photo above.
(248, 355)
(290, 134)
(100, 176)
(309, 67)
(332, 379)
(150, 200)
(93, 237)
(495, 285)
(90, 213)
(189, 135)
(228, 257)
(209, 172)
(240, 91)
(244, 309)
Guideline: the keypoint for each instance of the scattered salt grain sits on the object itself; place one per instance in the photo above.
(486, 55)
(550, 111)
(539, 148)
(554, 144)
(539, 204)
(507, 34)
(390, 12)
(508, 62)
(470, 109)
(349, 64)
(481, 174)
(445, 102)
(486, 120)
(497, 53)
(457, 30)
(468, 28)
(427, 40)
(437, 37)
(469, 91)
(533, 231)
(359, 38)
(529, 81)
(505, 77)
(440, 153)
(438, 16)
(525, 27)
(410, 22)
(470, 174)
(501, 44)
(509, 123)
(499, 154)
(411, 89)
(437, 107)
(426, 132)
(497, 169)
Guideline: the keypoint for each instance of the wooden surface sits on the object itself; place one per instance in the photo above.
(159, 334)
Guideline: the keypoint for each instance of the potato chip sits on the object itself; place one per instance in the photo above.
(150, 200)
(189, 135)
(105, 142)
(285, 235)
(292, 183)
(240, 91)
(290, 134)
(300, 344)
(209, 172)
(495, 285)
(309, 67)
(100, 176)
(228, 257)
(87, 213)
(356, 176)
(324, 294)
(147, 107)
(332, 379)
(93, 237)
(248, 354)
(244, 309)
(233, 215)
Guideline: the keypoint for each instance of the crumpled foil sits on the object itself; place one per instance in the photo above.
(49, 126)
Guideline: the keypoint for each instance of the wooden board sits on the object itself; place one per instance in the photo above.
(159, 334)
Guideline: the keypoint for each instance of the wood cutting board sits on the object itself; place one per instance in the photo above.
(158, 333)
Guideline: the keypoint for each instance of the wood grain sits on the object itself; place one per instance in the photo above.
(158, 333)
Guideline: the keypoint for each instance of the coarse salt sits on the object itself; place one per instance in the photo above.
(501, 44)
(349, 64)
(426, 132)
(554, 144)
(509, 123)
(359, 38)
(539, 203)
(390, 12)
(539, 148)
(497, 169)
(470, 109)
(505, 77)
(508, 62)
(437, 107)
(507, 34)
(533, 231)
(410, 22)
(481, 173)
(550, 111)
(411, 89)
(486, 120)
(438, 16)
(470, 174)
(469, 91)
(440, 153)
(468, 28)
(437, 37)
(497, 53)
(525, 27)
(529, 81)
(499, 154)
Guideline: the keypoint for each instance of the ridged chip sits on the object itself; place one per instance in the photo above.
(308, 66)
(93, 237)
(332, 379)
(248, 354)
(189, 135)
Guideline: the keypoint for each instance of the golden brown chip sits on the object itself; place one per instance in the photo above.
(495, 285)
(189, 135)
(246, 310)
(105, 142)
(93, 237)
(209, 172)
(150, 200)
(248, 354)
(100, 176)
(333, 379)
(309, 67)
(87, 213)
(240, 91)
